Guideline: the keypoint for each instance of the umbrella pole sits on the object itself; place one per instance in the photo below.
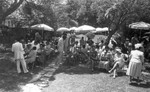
(43, 34)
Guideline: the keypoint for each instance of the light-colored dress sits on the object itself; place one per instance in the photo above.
(61, 45)
(31, 57)
(119, 59)
(135, 65)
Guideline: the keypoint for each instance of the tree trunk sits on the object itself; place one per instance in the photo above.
(110, 35)
(10, 10)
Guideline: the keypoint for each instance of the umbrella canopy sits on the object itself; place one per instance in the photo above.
(73, 29)
(42, 27)
(105, 29)
(140, 25)
(90, 35)
(62, 29)
(84, 29)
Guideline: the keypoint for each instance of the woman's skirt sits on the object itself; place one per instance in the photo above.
(134, 69)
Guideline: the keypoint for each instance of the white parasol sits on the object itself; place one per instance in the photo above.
(105, 29)
(140, 25)
(62, 29)
(42, 27)
(84, 29)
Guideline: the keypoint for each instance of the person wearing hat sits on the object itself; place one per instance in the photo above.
(136, 60)
(118, 60)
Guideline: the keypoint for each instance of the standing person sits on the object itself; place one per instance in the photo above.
(72, 38)
(66, 43)
(82, 42)
(28, 37)
(60, 49)
(90, 42)
(18, 50)
(134, 40)
(38, 37)
(136, 60)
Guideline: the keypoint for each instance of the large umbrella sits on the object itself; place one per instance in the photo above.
(140, 25)
(73, 28)
(62, 29)
(42, 27)
(105, 29)
(100, 30)
(84, 29)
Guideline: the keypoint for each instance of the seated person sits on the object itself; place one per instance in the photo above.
(118, 60)
(48, 48)
(83, 49)
(106, 54)
(41, 53)
(28, 49)
(74, 49)
(35, 44)
(31, 57)
(92, 54)
(105, 58)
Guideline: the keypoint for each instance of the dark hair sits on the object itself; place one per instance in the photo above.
(83, 46)
(18, 39)
(34, 48)
(97, 46)
(102, 41)
(42, 45)
(139, 48)
(64, 37)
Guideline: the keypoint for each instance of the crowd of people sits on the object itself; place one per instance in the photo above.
(114, 58)
(27, 52)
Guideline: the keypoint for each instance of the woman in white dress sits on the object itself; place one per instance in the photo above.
(119, 62)
(136, 60)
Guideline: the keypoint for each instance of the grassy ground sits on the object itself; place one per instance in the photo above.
(63, 79)
(82, 79)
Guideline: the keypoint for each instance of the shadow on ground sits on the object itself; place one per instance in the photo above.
(78, 69)
(143, 85)
(10, 80)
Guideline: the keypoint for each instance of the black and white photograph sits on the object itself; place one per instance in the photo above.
(74, 45)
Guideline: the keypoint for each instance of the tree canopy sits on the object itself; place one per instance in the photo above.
(114, 14)
(7, 7)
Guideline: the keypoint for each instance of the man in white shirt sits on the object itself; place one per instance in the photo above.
(60, 49)
(18, 50)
